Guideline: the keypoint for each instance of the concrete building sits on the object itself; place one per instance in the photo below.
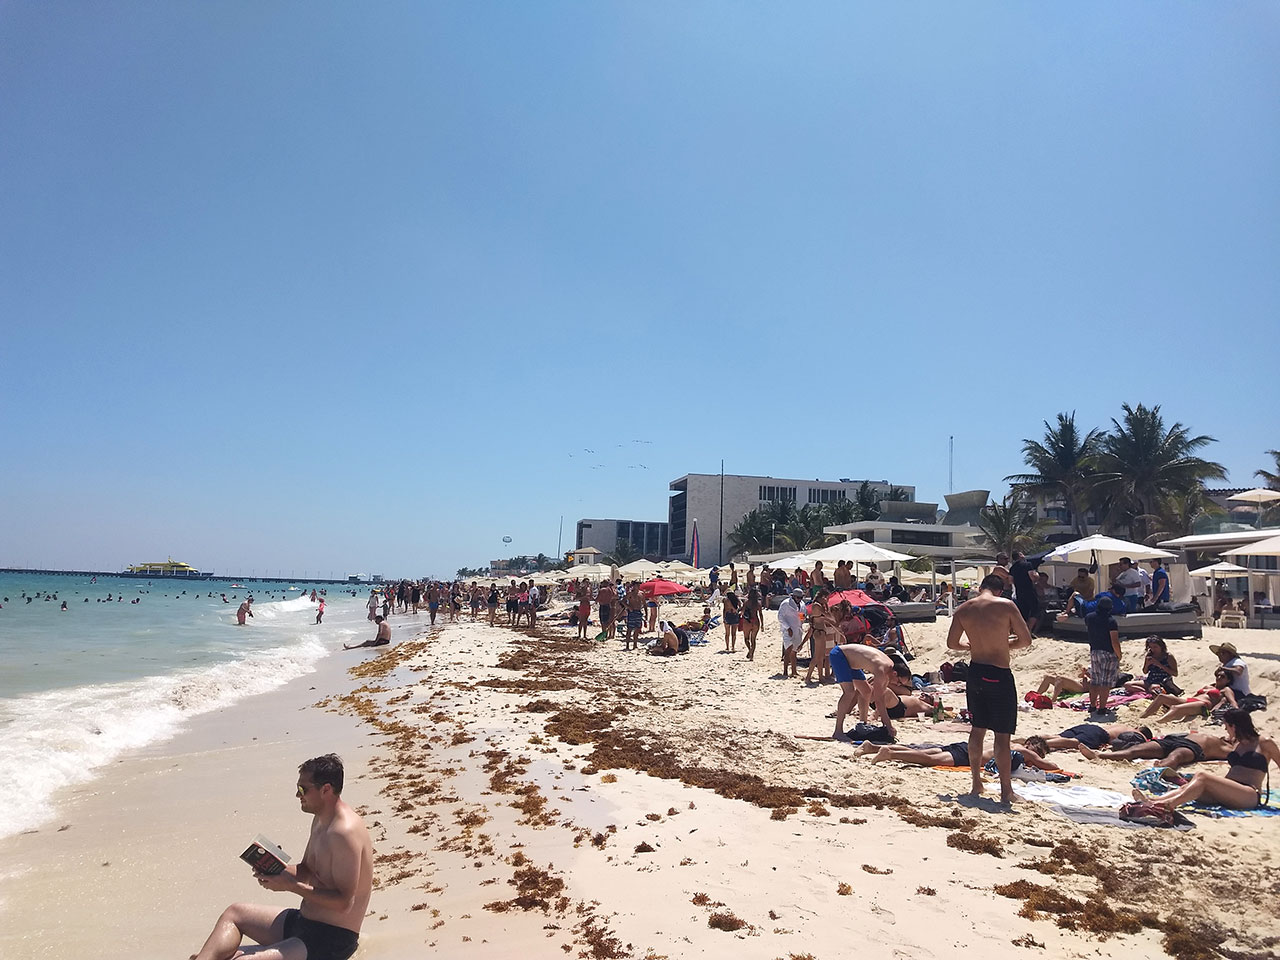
(650, 538)
(707, 497)
(914, 528)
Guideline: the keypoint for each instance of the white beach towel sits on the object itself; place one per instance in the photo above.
(1076, 795)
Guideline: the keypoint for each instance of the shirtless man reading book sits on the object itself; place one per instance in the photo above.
(989, 627)
(334, 880)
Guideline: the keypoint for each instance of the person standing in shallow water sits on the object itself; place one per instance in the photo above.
(245, 610)
(989, 627)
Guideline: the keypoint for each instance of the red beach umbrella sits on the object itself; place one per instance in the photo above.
(658, 587)
(856, 598)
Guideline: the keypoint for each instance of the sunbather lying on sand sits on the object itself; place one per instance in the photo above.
(1096, 736)
(956, 754)
(1173, 751)
(1062, 684)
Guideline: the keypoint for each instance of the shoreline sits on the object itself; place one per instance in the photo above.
(513, 781)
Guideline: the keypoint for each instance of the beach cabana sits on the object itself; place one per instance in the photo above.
(1263, 548)
(1104, 551)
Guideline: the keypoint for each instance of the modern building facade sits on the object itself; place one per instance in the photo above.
(648, 537)
(719, 502)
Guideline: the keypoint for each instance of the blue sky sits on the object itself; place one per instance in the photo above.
(339, 287)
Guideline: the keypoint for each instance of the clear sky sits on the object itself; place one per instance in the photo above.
(340, 287)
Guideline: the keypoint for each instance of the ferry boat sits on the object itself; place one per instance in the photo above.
(167, 568)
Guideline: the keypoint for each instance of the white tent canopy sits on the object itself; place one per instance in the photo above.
(1263, 548)
(1106, 549)
(1219, 570)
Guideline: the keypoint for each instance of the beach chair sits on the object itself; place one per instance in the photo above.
(1232, 618)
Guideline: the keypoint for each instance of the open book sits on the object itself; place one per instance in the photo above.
(264, 856)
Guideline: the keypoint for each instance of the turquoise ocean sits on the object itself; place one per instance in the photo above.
(80, 687)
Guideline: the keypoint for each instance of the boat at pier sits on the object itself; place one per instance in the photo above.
(168, 568)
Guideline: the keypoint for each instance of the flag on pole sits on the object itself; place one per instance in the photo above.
(694, 542)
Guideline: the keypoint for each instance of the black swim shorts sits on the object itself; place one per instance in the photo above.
(959, 754)
(993, 698)
(1090, 734)
(1174, 741)
(323, 941)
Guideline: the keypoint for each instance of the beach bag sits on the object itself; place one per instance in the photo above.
(1147, 813)
(960, 671)
(1251, 702)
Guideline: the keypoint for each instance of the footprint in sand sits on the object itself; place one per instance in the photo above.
(882, 912)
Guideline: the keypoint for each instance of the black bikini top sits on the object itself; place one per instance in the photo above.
(1250, 760)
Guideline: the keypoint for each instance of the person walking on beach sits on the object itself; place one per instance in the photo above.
(334, 878)
(635, 616)
(245, 610)
(791, 623)
(607, 598)
(380, 639)
(989, 627)
(373, 604)
(433, 601)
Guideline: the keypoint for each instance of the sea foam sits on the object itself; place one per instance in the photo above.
(59, 738)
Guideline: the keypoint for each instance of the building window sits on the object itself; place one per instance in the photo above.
(826, 496)
(922, 537)
(772, 494)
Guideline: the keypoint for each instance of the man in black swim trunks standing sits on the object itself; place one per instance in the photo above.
(989, 627)
(334, 878)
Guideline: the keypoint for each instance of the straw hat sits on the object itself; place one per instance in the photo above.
(1228, 648)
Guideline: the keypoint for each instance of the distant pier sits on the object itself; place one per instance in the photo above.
(200, 579)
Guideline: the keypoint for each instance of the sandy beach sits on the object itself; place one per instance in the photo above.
(534, 795)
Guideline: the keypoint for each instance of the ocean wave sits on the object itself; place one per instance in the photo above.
(61, 737)
(275, 608)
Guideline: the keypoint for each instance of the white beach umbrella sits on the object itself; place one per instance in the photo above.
(592, 571)
(1269, 547)
(1105, 550)
(859, 551)
(1258, 497)
(640, 568)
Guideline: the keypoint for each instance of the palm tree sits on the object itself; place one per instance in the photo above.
(805, 531)
(623, 553)
(1141, 463)
(1272, 479)
(753, 534)
(868, 501)
(1011, 525)
(1182, 515)
(1061, 467)
(842, 511)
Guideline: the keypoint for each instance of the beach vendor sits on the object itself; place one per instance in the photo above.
(990, 627)
(334, 878)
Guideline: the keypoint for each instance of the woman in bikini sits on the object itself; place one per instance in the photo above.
(751, 617)
(1247, 769)
(825, 634)
(1198, 704)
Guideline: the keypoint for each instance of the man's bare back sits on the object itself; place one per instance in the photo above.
(988, 622)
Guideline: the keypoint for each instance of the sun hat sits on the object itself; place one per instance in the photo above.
(1228, 647)
(797, 592)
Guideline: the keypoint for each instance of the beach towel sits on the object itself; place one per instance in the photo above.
(1076, 795)
(1269, 810)
(1109, 818)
